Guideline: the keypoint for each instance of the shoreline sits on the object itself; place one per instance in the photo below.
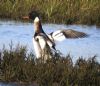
(56, 11)
(44, 22)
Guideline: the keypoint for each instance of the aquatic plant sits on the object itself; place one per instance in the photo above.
(55, 11)
(17, 65)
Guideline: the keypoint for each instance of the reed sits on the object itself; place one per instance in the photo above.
(55, 11)
(16, 65)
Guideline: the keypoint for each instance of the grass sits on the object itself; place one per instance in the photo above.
(55, 11)
(16, 65)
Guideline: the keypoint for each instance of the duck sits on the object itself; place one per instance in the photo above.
(41, 40)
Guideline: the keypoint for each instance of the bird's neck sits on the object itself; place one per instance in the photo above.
(38, 29)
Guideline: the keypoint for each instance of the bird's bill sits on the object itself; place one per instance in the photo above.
(25, 17)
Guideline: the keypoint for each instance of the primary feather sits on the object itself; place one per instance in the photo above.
(61, 35)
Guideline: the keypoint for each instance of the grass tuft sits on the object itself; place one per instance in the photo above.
(16, 65)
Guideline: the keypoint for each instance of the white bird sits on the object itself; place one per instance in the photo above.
(41, 40)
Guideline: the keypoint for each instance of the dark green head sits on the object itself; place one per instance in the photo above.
(32, 15)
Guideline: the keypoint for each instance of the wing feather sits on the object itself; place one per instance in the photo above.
(61, 35)
(73, 34)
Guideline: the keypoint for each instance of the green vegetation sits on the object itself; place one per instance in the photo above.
(55, 11)
(16, 65)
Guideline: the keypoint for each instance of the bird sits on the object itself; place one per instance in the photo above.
(41, 40)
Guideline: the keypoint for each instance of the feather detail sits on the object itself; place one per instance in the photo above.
(61, 35)
(73, 34)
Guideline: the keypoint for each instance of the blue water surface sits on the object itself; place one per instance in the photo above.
(22, 33)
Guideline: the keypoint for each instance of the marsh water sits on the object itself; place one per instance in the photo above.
(22, 33)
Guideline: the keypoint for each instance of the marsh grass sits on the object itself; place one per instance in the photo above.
(16, 65)
(55, 11)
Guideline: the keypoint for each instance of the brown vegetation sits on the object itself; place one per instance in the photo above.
(16, 65)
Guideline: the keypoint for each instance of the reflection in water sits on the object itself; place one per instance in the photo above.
(22, 33)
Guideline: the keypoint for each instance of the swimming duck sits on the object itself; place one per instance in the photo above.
(41, 40)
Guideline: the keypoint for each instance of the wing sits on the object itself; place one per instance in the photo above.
(44, 40)
(57, 36)
(73, 34)
(61, 35)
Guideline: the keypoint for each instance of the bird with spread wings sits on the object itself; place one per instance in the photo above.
(41, 40)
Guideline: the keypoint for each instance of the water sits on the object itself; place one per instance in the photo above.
(23, 32)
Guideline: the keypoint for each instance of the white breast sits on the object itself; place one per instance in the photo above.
(41, 41)
(37, 48)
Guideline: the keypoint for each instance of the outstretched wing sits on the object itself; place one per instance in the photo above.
(61, 35)
(73, 34)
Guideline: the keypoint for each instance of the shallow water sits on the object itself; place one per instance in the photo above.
(23, 32)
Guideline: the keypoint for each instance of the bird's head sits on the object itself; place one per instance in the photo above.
(33, 15)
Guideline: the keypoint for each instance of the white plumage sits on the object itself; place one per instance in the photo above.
(41, 40)
(37, 48)
(57, 36)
